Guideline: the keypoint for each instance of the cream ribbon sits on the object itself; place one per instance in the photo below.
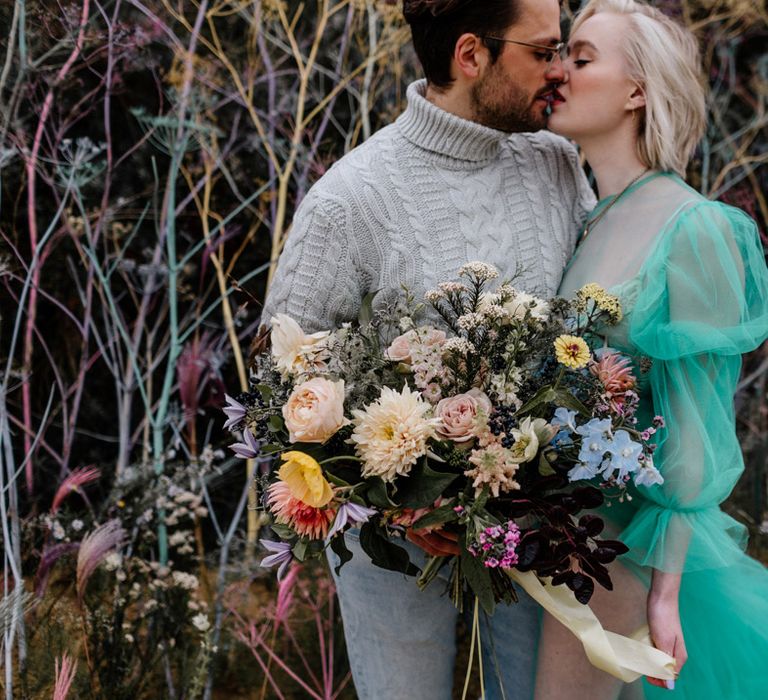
(626, 658)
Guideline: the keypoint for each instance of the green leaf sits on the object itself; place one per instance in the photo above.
(271, 448)
(276, 424)
(545, 468)
(283, 531)
(265, 391)
(547, 394)
(438, 516)
(423, 486)
(366, 308)
(478, 577)
(300, 549)
(377, 493)
(383, 552)
(566, 399)
(335, 480)
(339, 546)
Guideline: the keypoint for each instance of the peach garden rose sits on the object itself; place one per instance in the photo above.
(315, 410)
(458, 413)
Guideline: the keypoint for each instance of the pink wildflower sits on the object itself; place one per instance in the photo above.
(615, 374)
(64, 677)
(73, 482)
(94, 549)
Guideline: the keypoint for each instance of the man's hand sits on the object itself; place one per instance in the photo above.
(438, 543)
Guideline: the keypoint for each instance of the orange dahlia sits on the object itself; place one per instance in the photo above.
(302, 517)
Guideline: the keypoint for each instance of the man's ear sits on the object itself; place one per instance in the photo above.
(636, 99)
(470, 56)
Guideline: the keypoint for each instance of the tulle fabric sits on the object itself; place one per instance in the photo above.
(694, 302)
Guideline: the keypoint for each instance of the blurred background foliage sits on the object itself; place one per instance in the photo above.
(152, 153)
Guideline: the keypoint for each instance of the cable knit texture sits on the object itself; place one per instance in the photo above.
(419, 199)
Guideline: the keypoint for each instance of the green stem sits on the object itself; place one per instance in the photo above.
(430, 571)
(341, 459)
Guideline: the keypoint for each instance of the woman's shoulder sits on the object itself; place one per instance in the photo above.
(690, 216)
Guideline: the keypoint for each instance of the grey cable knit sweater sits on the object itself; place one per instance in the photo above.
(419, 199)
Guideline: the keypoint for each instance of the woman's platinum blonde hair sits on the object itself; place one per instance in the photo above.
(664, 59)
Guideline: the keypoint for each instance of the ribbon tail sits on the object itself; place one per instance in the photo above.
(626, 658)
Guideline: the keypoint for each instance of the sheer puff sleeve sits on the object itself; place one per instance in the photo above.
(703, 302)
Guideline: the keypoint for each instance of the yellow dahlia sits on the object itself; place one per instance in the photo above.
(304, 477)
(392, 433)
(572, 351)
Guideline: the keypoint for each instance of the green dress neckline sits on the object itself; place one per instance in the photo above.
(651, 176)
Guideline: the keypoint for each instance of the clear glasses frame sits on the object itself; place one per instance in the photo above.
(552, 51)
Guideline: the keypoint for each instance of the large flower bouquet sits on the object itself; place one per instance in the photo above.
(476, 424)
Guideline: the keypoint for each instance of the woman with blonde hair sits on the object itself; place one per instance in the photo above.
(692, 278)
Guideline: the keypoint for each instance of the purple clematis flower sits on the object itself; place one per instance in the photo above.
(249, 448)
(350, 514)
(281, 555)
(235, 412)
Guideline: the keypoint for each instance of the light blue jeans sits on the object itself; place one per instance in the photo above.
(401, 641)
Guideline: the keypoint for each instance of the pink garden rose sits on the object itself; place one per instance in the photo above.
(457, 414)
(401, 348)
(315, 410)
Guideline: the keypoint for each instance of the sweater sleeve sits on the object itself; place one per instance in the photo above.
(317, 281)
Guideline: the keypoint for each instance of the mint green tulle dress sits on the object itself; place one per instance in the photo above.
(692, 279)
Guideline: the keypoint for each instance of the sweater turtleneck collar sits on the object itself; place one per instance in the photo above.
(433, 129)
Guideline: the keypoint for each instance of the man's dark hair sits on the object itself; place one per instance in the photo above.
(436, 26)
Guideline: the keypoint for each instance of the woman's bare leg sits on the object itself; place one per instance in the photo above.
(563, 668)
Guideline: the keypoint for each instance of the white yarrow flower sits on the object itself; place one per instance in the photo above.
(469, 321)
(201, 622)
(481, 270)
(460, 345)
(451, 287)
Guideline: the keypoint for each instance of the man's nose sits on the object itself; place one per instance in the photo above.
(555, 72)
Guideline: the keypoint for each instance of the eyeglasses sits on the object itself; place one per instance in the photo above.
(552, 51)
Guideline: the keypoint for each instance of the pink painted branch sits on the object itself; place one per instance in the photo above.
(300, 653)
(256, 641)
(326, 688)
(31, 171)
(19, 423)
(265, 669)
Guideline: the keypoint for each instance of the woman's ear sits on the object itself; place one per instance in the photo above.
(470, 56)
(636, 100)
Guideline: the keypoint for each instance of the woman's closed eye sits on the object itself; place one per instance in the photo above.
(581, 62)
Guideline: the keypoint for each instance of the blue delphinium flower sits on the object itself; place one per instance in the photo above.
(648, 475)
(564, 418)
(583, 471)
(596, 439)
(625, 454)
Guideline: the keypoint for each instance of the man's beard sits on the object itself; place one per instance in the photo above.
(500, 104)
